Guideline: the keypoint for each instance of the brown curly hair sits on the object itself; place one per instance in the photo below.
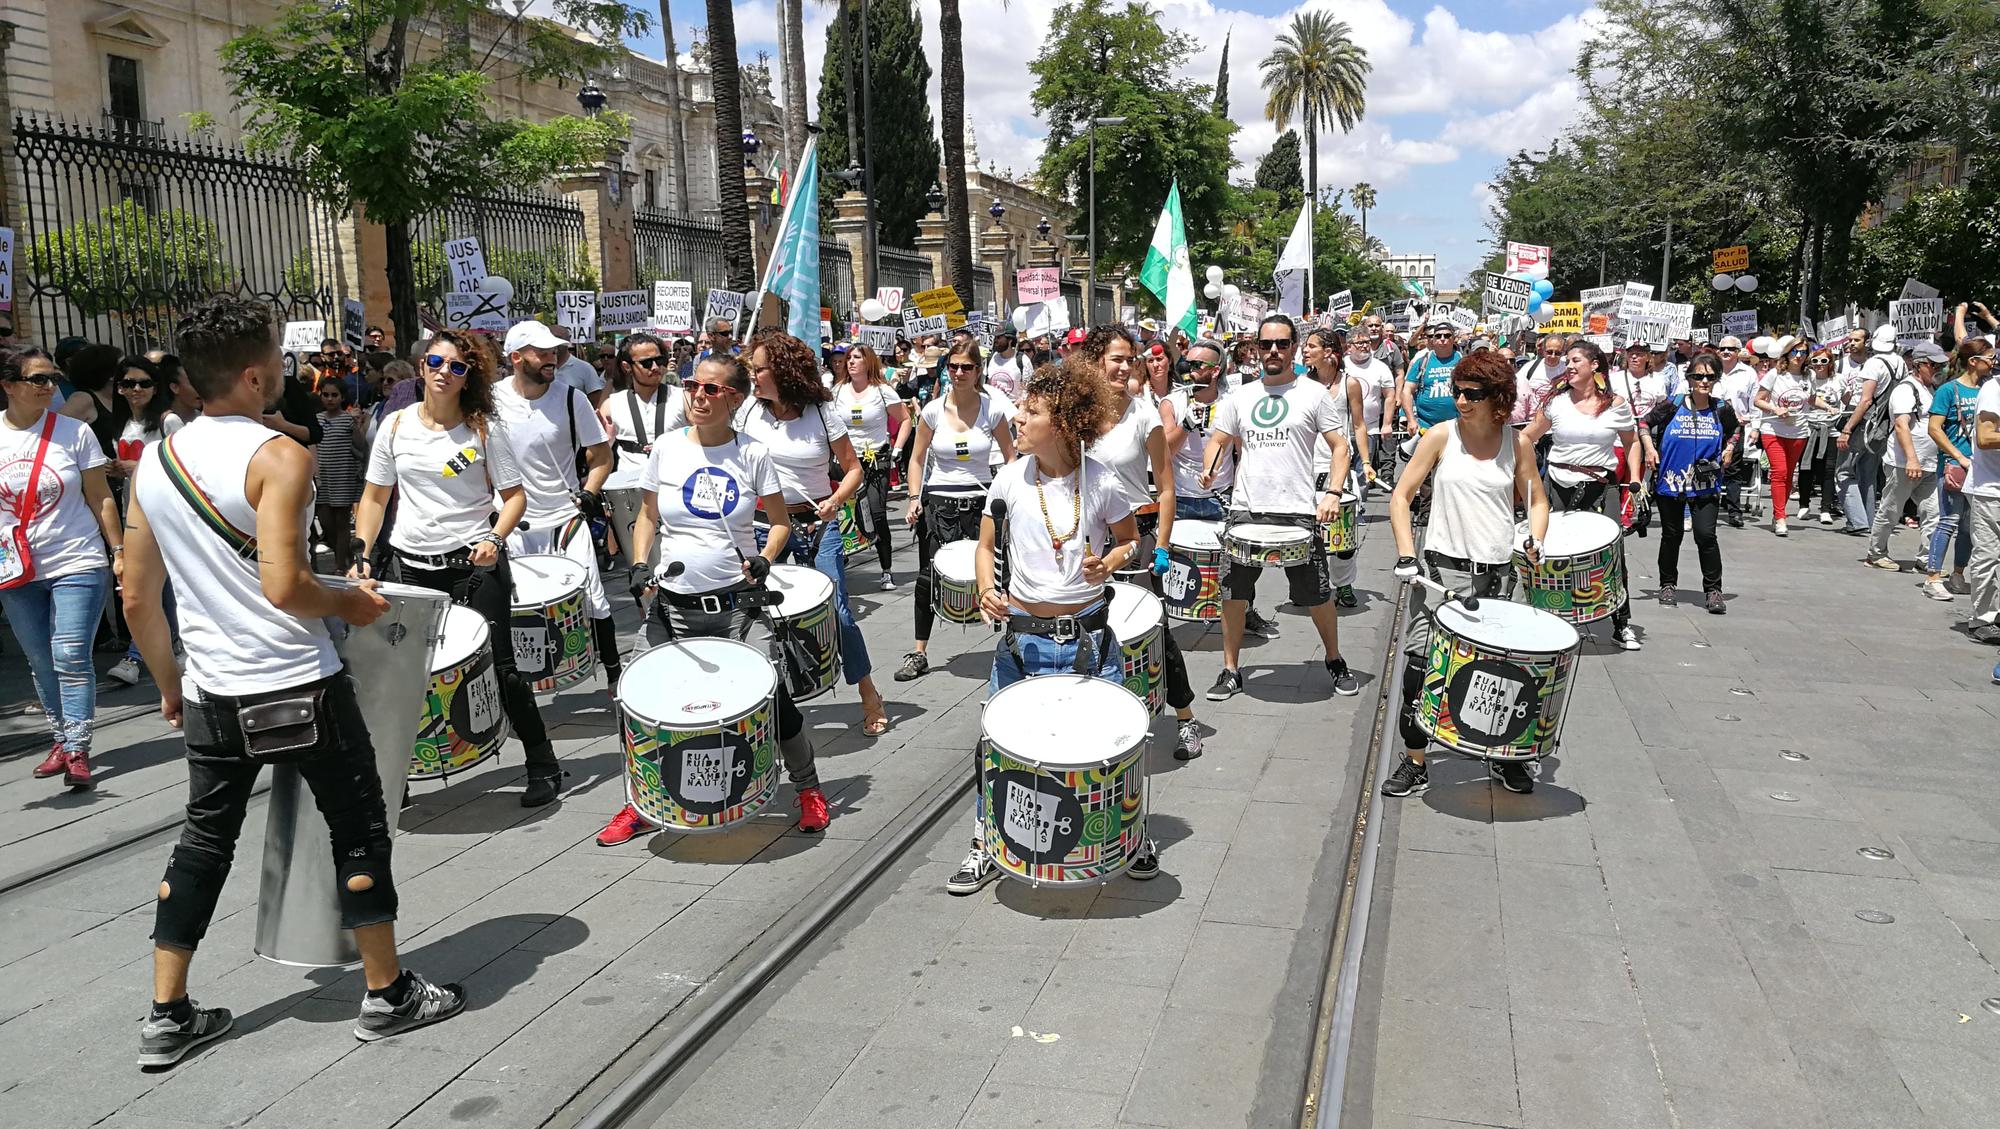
(1077, 398)
(1489, 370)
(475, 399)
(794, 368)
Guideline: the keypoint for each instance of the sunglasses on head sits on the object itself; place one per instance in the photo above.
(1469, 394)
(708, 389)
(41, 379)
(1275, 343)
(436, 361)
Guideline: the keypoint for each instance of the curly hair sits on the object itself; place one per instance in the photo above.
(794, 368)
(1489, 370)
(475, 399)
(1076, 397)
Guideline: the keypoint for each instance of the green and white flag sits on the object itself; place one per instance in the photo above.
(1166, 272)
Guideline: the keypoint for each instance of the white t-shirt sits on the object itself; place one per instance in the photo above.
(639, 426)
(1197, 420)
(799, 449)
(1786, 390)
(580, 375)
(1580, 439)
(1377, 383)
(865, 414)
(448, 480)
(961, 462)
(1036, 572)
(1123, 449)
(1984, 480)
(1910, 398)
(1739, 387)
(538, 436)
(1006, 375)
(708, 499)
(63, 535)
(1278, 425)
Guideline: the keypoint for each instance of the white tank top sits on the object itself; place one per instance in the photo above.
(236, 642)
(1472, 501)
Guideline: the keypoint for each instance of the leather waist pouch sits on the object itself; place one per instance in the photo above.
(283, 729)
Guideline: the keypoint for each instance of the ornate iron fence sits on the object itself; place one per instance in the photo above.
(671, 247)
(836, 280)
(907, 269)
(982, 288)
(125, 229)
(530, 238)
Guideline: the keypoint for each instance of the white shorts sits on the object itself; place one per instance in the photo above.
(570, 539)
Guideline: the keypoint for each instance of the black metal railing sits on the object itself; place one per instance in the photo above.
(836, 279)
(124, 231)
(138, 129)
(531, 238)
(982, 288)
(670, 247)
(907, 269)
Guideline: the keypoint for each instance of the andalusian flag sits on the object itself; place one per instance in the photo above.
(1165, 271)
(793, 272)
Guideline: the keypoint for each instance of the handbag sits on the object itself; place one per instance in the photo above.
(1954, 477)
(17, 561)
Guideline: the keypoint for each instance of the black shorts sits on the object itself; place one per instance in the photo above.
(1310, 583)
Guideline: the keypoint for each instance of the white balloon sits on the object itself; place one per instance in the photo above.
(1722, 282)
(872, 309)
(1211, 291)
(1022, 317)
(1215, 275)
(1231, 292)
(1547, 311)
(498, 288)
(1746, 282)
(1539, 271)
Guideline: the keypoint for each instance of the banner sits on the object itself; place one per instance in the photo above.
(1732, 260)
(465, 264)
(673, 306)
(1917, 320)
(304, 336)
(621, 311)
(353, 322)
(939, 301)
(1038, 284)
(1044, 318)
(1740, 323)
(1505, 296)
(1568, 318)
(726, 305)
(576, 311)
(1521, 256)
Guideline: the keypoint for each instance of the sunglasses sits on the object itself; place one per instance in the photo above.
(1822, 362)
(1275, 343)
(1470, 395)
(1701, 378)
(963, 366)
(709, 390)
(435, 361)
(43, 379)
(649, 362)
(1726, 349)
(133, 385)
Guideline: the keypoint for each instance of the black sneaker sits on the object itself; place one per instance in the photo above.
(1228, 684)
(1344, 682)
(915, 665)
(543, 786)
(1716, 606)
(1255, 623)
(424, 1004)
(1188, 744)
(1668, 597)
(165, 1041)
(973, 874)
(1343, 596)
(1146, 867)
(1513, 776)
(1409, 779)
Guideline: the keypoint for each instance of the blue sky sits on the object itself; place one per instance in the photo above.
(1456, 87)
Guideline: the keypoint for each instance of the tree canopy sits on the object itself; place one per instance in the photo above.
(904, 145)
(1281, 171)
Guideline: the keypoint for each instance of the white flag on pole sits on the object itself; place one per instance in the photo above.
(1293, 264)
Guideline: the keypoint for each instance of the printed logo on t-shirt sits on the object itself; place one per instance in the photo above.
(710, 493)
(14, 481)
(854, 414)
(460, 459)
(962, 450)
(1270, 411)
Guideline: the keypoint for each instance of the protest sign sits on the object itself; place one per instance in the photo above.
(1732, 260)
(1679, 317)
(1740, 323)
(1600, 308)
(1038, 284)
(1463, 319)
(1644, 330)
(1128, 315)
(1568, 318)
(353, 322)
(304, 336)
(6, 268)
(673, 306)
(1522, 256)
(1341, 304)
(1045, 318)
(576, 311)
(1633, 303)
(1914, 289)
(476, 312)
(621, 311)
(465, 265)
(881, 338)
(1917, 320)
(915, 326)
(940, 301)
(1401, 315)
(1602, 341)
(725, 305)
(1831, 328)
(1506, 296)
(891, 298)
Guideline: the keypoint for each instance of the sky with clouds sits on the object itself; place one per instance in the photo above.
(1456, 87)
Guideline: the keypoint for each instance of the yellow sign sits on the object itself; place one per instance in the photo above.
(1732, 260)
(1568, 318)
(940, 300)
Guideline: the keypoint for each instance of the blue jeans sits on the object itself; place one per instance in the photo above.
(1860, 477)
(1951, 511)
(54, 621)
(1198, 509)
(832, 563)
(1019, 657)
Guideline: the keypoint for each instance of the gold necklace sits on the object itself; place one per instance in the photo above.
(1076, 515)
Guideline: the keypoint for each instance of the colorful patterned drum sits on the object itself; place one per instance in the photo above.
(1581, 576)
(807, 630)
(1343, 533)
(1267, 545)
(1062, 771)
(853, 538)
(1497, 683)
(1193, 583)
(549, 625)
(699, 724)
(1139, 620)
(954, 584)
(463, 722)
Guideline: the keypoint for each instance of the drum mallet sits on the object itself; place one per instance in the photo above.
(1468, 598)
(1000, 556)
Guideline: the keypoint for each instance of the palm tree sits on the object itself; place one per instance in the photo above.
(730, 189)
(951, 96)
(1363, 196)
(1318, 73)
(676, 130)
(791, 14)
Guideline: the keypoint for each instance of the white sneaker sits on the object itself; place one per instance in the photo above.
(125, 670)
(888, 583)
(1628, 638)
(1936, 590)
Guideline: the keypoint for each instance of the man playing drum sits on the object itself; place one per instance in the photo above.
(1480, 470)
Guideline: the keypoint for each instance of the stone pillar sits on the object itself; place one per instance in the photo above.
(13, 202)
(850, 226)
(606, 202)
(930, 244)
(995, 251)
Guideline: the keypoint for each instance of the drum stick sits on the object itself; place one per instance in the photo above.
(999, 540)
(1468, 598)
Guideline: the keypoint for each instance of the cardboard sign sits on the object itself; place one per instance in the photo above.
(1521, 256)
(1633, 303)
(621, 311)
(891, 298)
(1732, 260)
(1506, 297)
(465, 265)
(1709, 333)
(1600, 308)
(1831, 328)
(940, 301)
(1463, 319)
(1401, 315)
(1602, 341)
(1740, 323)
(1917, 320)
(1914, 289)
(673, 306)
(353, 322)
(881, 338)
(576, 311)
(6, 268)
(1038, 284)
(478, 312)
(916, 325)
(1645, 330)
(1679, 317)
(1341, 304)
(1568, 318)
(304, 336)
(1046, 317)
(726, 305)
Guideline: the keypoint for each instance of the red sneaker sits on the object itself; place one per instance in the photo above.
(627, 823)
(53, 764)
(76, 774)
(813, 815)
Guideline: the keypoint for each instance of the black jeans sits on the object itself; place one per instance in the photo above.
(1180, 694)
(945, 518)
(1596, 497)
(340, 770)
(1702, 509)
(489, 592)
(874, 498)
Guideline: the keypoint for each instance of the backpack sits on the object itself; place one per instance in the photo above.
(1877, 425)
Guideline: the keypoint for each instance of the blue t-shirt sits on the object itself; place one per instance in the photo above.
(1959, 406)
(1688, 437)
(1434, 401)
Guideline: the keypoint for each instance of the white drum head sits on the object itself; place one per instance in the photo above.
(1134, 611)
(462, 636)
(1513, 627)
(1572, 532)
(955, 560)
(803, 589)
(1194, 534)
(693, 683)
(542, 577)
(1260, 534)
(1065, 721)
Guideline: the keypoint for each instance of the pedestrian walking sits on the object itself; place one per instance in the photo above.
(337, 469)
(1954, 413)
(1695, 435)
(1910, 460)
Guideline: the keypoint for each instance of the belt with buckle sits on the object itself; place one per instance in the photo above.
(714, 603)
(1460, 564)
(1062, 628)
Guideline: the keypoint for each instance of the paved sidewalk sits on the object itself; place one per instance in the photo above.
(1665, 932)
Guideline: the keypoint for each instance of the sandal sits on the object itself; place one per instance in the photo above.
(876, 726)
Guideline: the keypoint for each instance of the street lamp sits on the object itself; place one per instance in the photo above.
(750, 147)
(996, 210)
(934, 199)
(591, 99)
(1090, 287)
(1042, 228)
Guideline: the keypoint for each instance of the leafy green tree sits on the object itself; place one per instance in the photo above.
(1101, 61)
(134, 266)
(342, 87)
(1281, 170)
(904, 145)
(1944, 235)
(1318, 74)
(1363, 196)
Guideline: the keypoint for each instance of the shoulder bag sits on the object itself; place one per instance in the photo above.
(17, 560)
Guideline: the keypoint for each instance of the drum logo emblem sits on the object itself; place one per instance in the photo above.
(1037, 817)
(710, 493)
(1493, 700)
(1270, 411)
(701, 707)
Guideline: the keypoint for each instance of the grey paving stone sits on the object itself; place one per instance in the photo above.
(578, 1036)
(1252, 890)
(1234, 969)
(1437, 958)
(1734, 1109)
(1202, 1069)
(1850, 1074)
(692, 945)
(615, 919)
(1568, 976)
(1102, 1031)
(1555, 897)
(29, 929)
(502, 1105)
(1194, 813)
(1446, 1061)
(1574, 1073)
(1118, 928)
(964, 1002)
(1014, 1105)
(898, 1088)
(239, 1076)
(786, 870)
(376, 1085)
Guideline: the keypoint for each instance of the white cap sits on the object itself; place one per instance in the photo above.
(529, 334)
(1885, 339)
(1764, 346)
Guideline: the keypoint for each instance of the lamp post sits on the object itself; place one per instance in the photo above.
(934, 199)
(1090, 286)
(750, 148)
(591, 99)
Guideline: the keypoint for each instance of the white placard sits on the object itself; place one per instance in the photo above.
(621, 311)
(1340, 305)
(465, 264)
(1914, 289)
(1506, 296)
(354, 326)
(304, 336)
(915, 326)
(881, 338)
(476, 312)
(1463, 319)
(1046, 317)
(1917, 320)
(1401, 315)
(6, 268)
(576, 311)
(1645, 330)
(891, 298)
(1521, 256)
(1633, 302)
(673, 306)
(726, 305)
(1831, 328)
(1679, 317)
(1740, 323)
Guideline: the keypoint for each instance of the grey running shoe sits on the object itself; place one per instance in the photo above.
(425, 1004)
(1228, 684)
(1255, 623)
(1188, 746)
(164, 1042)
(1513, 776)
(1409, 779)
(1344, 682)
(915, 665)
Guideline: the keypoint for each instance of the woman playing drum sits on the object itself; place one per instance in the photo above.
(1479, 470)
(1051, 509)
(950, 468)
(447, 460)
(699, 493)
(1325, 364)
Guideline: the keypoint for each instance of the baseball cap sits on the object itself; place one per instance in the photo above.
(1075, 337)
(530, 334)
(1884, 340)
(1927, 351)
